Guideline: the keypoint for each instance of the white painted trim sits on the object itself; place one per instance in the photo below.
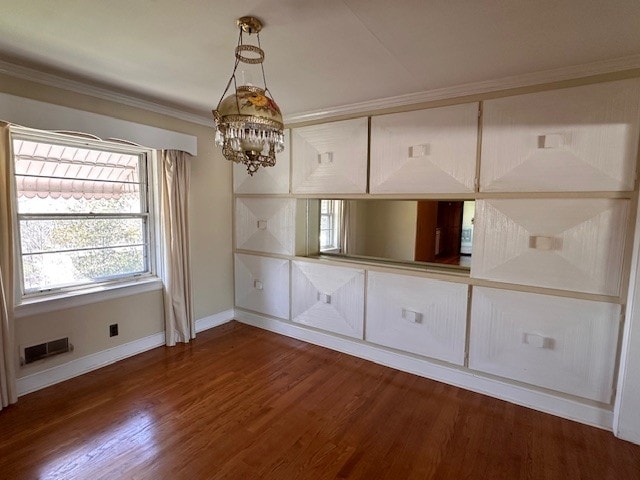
(56, 81)
(537, 400)
(37, 306)
(475, 88)
(626, 423)
(214, 320)
(85, 364)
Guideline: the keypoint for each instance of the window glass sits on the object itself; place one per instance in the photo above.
(330, 214)
(82, 210)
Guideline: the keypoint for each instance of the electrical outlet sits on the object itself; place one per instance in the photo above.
(113, 330)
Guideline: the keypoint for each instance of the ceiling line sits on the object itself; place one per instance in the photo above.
(31, 74)
(474, 88)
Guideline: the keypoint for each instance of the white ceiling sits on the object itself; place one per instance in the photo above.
(319, 54)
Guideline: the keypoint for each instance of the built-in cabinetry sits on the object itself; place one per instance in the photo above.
(266, 224)
(564, 344)
(272, 180)
(330, 157)
(262, 284)
(425, 151)
(328, 297)
(574, 139)
(568, 244)
(418, 315)
(537, 319)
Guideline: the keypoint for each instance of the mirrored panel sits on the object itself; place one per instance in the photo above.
(407, 231)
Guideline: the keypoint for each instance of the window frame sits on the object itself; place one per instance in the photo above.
(149, 202)
(335, 218)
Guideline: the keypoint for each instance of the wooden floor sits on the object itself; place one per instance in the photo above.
(242, 403)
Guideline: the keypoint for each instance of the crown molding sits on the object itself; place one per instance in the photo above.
(475, 88)
(26, 73)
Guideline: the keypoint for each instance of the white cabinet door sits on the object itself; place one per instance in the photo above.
(266, 224)
(569, 244)
(426, 151)
(330, 158)
(417, 315)
(262, 284)
(564, 344)
(328, 297)
(266, 180)
(574, 139)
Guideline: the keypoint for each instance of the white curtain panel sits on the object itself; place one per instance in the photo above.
(8, 393)
(345, 226)
(175, 172)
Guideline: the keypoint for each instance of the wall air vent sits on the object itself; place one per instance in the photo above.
(45, 350)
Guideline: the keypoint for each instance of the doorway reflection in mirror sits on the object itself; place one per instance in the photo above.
(407, 231)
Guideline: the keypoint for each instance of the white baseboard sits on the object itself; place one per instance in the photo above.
(537, 400)
(85, 364)
(214, 320)
(79, 366)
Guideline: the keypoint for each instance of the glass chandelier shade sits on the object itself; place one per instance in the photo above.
(248, 122)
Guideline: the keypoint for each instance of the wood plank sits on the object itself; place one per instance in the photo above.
(240, 402)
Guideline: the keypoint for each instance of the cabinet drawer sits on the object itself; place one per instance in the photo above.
(570, 244)
(330, 158)
(563, 344)
(328, 297)
(417, 315)
(426, 151)
(267, 180)
(266, 224)
(262, 284)
(574, 139)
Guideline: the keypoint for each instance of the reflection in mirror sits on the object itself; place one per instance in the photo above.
(416, 231)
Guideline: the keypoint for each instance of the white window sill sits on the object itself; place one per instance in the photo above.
(50, 303)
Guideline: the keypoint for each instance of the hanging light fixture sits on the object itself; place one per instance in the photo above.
(248, 122)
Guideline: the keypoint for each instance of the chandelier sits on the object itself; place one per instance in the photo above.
(248, 122)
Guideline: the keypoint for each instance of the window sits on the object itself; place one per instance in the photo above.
(83, 212)
(330, 213)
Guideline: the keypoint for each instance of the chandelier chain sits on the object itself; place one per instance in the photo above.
(233, 74)
(264, 78)
(248, 122)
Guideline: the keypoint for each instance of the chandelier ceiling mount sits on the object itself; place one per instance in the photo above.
(248, 122)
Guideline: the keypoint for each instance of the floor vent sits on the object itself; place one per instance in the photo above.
(47, 349)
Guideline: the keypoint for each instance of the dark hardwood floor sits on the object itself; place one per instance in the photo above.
(242, 403)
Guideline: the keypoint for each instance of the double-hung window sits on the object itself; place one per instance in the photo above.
(83, 212)
(330, 215)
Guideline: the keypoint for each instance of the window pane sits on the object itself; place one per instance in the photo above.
(325, 222)
(325, 206)
(129, 203)
(54, 270)
(43, 159)
(325, 238)
(65, 190)
(47, 235)
(95, 179)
